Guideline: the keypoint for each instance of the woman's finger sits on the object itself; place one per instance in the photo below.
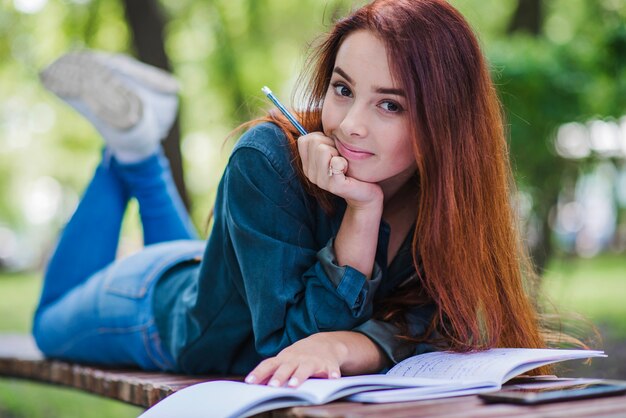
(282, 374)
(319, 165)
(306, 371)
(315, 151)
(300, 374)
(263, 371)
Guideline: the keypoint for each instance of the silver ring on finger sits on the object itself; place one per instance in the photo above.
(332, 171)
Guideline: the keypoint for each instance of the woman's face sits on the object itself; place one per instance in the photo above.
(364, 112)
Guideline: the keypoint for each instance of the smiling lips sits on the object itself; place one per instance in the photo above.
(351, 153)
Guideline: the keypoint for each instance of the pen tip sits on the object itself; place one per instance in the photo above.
(266, 90)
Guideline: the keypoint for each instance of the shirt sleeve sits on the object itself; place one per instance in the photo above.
(340, 275)
(293, 287)
(385, 334)
(382, 333)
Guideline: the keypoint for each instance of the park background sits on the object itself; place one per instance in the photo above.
(559, 67)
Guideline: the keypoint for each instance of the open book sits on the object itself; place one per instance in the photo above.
(427, 376)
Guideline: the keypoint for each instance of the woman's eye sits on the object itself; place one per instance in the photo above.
(391, 107)
(342, 90)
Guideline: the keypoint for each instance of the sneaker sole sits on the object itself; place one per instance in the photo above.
(151, 77)
(80, 75)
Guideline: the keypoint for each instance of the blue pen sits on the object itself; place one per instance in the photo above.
(284, 110)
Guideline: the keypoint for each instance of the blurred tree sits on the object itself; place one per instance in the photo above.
(537, 101)
(568, 69)
(147, 25)
(528, 16)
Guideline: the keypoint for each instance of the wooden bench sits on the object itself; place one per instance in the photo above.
(19, 358)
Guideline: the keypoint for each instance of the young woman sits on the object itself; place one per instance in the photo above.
(385, 232)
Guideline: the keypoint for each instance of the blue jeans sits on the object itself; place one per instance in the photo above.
(96, 309)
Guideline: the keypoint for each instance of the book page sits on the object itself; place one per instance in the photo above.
(496, 365)
(418, 394)
(227, 399)
(326, 390)
(224, 399)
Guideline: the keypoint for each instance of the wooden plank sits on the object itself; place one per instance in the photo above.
(463, 407)
(20, 358)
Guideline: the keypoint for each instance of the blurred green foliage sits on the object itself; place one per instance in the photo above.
(223, 51)
(576, 71)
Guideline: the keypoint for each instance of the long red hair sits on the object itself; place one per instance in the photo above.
(466, 241)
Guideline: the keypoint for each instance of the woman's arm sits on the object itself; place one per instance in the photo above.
(273, 238)
(279, 249)
(356, 241)
(325, 355)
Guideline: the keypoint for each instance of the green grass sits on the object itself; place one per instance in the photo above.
(25, 399)
(594, 288)
(18, 293)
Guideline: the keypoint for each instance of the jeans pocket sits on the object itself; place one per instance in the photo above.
(131, 277)
(125, 302)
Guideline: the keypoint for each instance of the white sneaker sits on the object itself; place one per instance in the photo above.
(131, 104)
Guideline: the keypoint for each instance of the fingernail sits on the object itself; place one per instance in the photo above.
(293, 381)
(250, 378)
(274, 383)
(334, 375)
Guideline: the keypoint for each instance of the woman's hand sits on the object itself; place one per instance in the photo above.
(324, 355)
(314, 356)
(320, 158)
(355, 243)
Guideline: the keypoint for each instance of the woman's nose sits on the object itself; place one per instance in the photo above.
(354, 122)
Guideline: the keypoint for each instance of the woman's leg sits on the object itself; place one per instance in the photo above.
(108, 318)
(99, 311)
(89, 241)
(92, 309)
(133, 106)
(163, 215)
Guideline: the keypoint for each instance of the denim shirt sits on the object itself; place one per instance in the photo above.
(269, 276)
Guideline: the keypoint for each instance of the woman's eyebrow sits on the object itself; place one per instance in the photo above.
(382, 90)
(342, 73)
